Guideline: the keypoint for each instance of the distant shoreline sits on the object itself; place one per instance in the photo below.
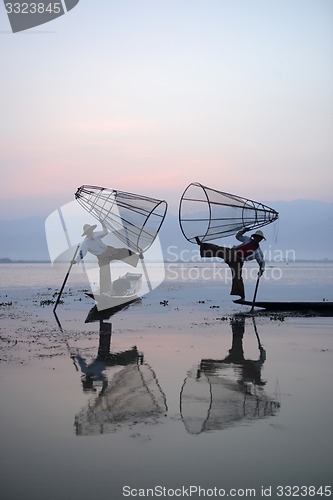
(7, 260)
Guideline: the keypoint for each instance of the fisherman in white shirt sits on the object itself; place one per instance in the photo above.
(94, 244)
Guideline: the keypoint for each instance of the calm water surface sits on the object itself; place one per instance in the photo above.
(311, 279)
(206, 398)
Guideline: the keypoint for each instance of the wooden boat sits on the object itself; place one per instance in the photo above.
(124, 291)
(103, 314)
(324, 307)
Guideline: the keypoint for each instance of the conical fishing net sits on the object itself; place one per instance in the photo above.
(133, 218)
(211, 214)
(216, 402)
(133, 396)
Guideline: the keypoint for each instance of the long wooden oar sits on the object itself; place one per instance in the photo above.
(66, 278)
(255, 292)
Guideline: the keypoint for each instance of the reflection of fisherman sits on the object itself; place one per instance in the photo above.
(217, 400)
(105, 254)
(251, 369)
(235, 257)
(94, 373)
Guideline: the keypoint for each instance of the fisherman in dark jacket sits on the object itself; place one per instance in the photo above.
(235, 257)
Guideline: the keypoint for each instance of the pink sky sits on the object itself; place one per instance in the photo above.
(149, 99)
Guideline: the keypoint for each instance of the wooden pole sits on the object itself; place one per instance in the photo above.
(255, 292)
(65, 280)
(256, 332)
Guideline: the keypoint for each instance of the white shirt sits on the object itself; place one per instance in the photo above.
(93, 245)
(257, 254)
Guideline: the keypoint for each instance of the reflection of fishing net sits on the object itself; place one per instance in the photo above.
(217, 402)
(133, 396)
(212, 214)
(133, 218)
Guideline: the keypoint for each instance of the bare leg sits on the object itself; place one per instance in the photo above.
(108, 256)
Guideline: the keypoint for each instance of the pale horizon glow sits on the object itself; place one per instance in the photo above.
(147, 97)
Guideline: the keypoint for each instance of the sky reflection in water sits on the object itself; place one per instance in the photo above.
(230, 403)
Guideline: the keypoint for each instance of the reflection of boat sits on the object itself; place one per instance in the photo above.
(323, 307)
(132, 396)
(223, 393)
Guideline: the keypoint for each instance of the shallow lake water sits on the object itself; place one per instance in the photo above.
(186, 393)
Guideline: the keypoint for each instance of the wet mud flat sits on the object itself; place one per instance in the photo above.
(176, 390)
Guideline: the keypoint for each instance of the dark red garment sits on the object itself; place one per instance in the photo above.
(247, 250)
